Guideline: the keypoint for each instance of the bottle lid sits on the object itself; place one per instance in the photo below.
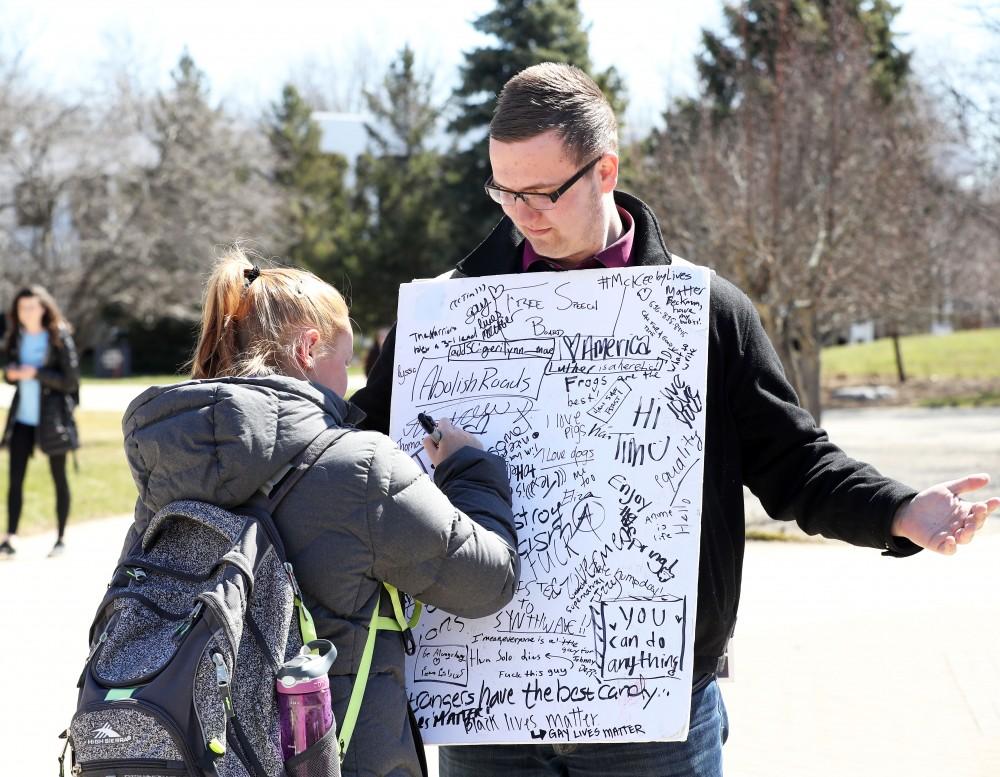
(307, 665)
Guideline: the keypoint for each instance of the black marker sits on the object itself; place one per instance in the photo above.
(430, 427)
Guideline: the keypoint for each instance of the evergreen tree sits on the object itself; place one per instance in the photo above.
(400, 183)
(748, 55)
(317, 211)
(527, 32)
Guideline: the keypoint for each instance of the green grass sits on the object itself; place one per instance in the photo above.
(968, 354)
(101, 488)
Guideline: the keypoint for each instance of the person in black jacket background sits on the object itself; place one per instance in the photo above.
(553, 151)
(41, 361)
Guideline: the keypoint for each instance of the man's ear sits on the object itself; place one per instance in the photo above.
(304, 349)
(607, 172)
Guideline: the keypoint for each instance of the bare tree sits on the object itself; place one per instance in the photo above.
(122, 202)
(810, 195)
(40, 137)
(969, 239)
(339, 84)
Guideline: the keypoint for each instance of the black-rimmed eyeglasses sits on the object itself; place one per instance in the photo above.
(536, 200)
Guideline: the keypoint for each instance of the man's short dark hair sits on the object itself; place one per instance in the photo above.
(560, 97)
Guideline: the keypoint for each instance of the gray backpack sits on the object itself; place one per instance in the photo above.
(187, 642)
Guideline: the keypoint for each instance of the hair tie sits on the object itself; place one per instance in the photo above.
(251, 274)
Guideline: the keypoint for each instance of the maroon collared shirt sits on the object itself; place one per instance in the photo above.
(618, 254)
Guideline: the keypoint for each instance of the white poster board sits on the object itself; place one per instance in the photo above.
(591, 384)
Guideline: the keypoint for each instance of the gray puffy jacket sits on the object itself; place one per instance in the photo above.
(363, 514)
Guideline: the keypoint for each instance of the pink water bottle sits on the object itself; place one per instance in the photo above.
(304, 709)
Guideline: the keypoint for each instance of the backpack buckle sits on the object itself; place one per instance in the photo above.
(62, 757)
(222, 678)
(136, 573)
(409, 644)
(291, 579)
(185, 625)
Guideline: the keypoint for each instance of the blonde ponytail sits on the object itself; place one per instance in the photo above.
(251, 322)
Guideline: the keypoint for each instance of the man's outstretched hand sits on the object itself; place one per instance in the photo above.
(940, 520)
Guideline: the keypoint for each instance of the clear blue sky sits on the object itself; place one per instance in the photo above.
(249, 49)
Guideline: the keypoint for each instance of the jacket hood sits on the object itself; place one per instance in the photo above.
(220, 440)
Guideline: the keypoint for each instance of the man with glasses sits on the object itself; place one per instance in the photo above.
(553, 150)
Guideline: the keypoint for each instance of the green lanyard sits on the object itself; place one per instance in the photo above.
(376, 624)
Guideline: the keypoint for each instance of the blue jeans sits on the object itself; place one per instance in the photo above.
(699, 756)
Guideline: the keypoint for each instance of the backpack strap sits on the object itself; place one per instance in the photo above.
(405, 626)
(269, 502)
(307, 626)
(377, 623)
(303, 463)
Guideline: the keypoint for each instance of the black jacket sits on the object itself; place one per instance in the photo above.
(756, 434)
(60, 379)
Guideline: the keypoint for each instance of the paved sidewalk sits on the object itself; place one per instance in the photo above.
(47, 605)
(846, 663)
(920, 446)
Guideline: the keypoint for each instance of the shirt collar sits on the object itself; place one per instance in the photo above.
(618, 254)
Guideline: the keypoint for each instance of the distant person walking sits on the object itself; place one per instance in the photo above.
(42, 362)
